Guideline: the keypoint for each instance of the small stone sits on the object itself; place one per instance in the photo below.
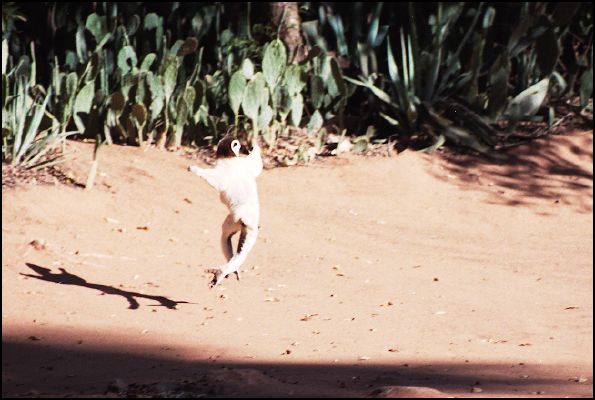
(272, 299)
(406, 392)
(117, 386)
(38, 244)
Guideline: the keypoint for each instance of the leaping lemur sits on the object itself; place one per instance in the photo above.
(234, 176)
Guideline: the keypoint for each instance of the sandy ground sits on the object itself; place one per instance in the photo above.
(410, 276)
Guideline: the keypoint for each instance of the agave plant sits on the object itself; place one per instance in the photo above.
(24, 142)
(29, 131)
(431, 83)
(358, 44)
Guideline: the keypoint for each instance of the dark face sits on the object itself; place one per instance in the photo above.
(228, 147)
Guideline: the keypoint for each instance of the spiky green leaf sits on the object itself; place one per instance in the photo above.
(84, 98)
(252, 98)
(81, 44)
(498, 89)
(188, 47)
(297, 108)
(4, 55)
(548, 51)
(97, 25)
(190, 97)
(316, 91)
(338, 79)
(336, 23)
(148, 61)
(237, 85)
(294, 79)
(248, 68)
(169, 79)
(71, 84)
(152, 21)
(273, 62)
(133, 25)
(316, 121)
(127, 59)
(265, 117)
(586, 89)
(528, 102)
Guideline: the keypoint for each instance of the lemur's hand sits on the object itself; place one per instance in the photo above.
(254, 142)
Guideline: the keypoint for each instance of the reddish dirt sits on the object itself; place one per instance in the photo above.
(413, 275)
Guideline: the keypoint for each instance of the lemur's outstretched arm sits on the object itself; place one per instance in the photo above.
(255, 160)
(214, 177)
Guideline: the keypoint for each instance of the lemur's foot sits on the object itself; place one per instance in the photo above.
(217, 278)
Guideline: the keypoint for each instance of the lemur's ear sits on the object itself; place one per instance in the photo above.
(228, 147)
(235, 147)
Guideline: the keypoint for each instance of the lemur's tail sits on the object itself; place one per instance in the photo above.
(247, 242)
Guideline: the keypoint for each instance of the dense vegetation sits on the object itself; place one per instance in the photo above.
(174, 74)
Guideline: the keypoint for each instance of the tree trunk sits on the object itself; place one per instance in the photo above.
(286, 15)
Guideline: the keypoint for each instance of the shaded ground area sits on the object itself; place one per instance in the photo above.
(558, 169)
(404, 276)
(118, 370)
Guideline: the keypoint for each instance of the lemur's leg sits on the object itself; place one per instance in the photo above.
(250, 233)
(228, 229)
(240, 245)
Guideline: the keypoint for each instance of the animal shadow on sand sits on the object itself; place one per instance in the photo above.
(66, 278)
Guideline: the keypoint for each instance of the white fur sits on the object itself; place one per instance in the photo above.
(235, 179)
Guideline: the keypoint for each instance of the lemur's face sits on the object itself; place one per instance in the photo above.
(228, 147)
